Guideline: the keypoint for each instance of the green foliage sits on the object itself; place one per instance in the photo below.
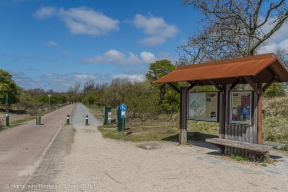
(275, 90)
(159, 69)
(237, 157)
(54, 99)
(140, 97)
(90, 98)
(168, 99)
(7, 85)
(203, 88)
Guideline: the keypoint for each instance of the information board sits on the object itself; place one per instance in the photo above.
(240, 110)
(203, 106)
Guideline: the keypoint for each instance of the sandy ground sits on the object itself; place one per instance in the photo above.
(98, 164)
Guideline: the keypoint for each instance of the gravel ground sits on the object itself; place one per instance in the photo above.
(97, 164)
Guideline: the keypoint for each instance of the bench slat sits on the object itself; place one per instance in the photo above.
(240, 145)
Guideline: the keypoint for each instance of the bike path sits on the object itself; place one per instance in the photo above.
(23, 145)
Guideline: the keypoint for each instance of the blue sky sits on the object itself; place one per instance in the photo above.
(53, 44)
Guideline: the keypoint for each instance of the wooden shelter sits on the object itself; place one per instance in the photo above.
(225, 75)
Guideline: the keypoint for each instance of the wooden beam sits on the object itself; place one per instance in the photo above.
(216, 85)
(222, 113)
(199, 83)
(174, 87)
(235, 83)
(183, 116)
(272, 73)
(241, 145)
(259, 114)
(253, 85)
(269, 83)
(192, 85)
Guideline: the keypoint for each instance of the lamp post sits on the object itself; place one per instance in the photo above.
(49, 100)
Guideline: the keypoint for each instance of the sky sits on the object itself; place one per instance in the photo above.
(54, 44)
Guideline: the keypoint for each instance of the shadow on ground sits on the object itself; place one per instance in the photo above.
(194, 138)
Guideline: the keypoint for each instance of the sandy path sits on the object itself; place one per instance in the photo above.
(97, 164)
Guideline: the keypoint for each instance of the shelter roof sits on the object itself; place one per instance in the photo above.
(260, 68)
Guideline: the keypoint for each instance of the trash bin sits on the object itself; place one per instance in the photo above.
(106, 111)
(119, 120)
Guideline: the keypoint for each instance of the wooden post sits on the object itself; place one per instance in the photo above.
(259, 114)
(183, 116)
(222, 112)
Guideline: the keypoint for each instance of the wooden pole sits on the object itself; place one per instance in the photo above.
(183, 116)
(222, 113)
(259, 114)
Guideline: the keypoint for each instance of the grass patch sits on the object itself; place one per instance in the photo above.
(238, 157)
(285, 148)
(137, 134)
(163, 127)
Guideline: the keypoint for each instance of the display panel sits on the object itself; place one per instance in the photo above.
(203, 106)
(240, 110)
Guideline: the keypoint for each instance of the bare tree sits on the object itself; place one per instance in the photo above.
(233, 28)
(88, 86)
(282, 55)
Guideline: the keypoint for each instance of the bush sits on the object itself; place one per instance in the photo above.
(275, 90)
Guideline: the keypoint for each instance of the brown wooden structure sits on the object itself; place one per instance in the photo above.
(225, 75)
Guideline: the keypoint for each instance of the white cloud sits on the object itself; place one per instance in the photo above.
(279, 35)
(45, 12)
(148, 57)
(272, 47)
(130, 77)
(283, 44)
(81, 20)
(269, 48)
(156, 28)
(52, 43)
(118, 58)
(114, 56)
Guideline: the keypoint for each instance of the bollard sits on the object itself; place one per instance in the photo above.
(7, 118)
(87, 120)
(38, 120)
(68, 119)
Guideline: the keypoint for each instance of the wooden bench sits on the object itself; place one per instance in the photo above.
(249, 147)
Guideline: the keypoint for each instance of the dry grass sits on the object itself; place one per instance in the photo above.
(165, 126)
(275, 121)
(161, 127)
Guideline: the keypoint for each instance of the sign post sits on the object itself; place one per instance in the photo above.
(123, 109)
(7, 110)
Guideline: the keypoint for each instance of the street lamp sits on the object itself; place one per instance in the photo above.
(49, 101)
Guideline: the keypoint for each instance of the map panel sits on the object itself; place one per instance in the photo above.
(202, 106)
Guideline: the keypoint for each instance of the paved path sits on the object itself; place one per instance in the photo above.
(23, 145)
(79, 117)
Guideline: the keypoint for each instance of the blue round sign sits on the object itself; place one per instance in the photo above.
(123, 107)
